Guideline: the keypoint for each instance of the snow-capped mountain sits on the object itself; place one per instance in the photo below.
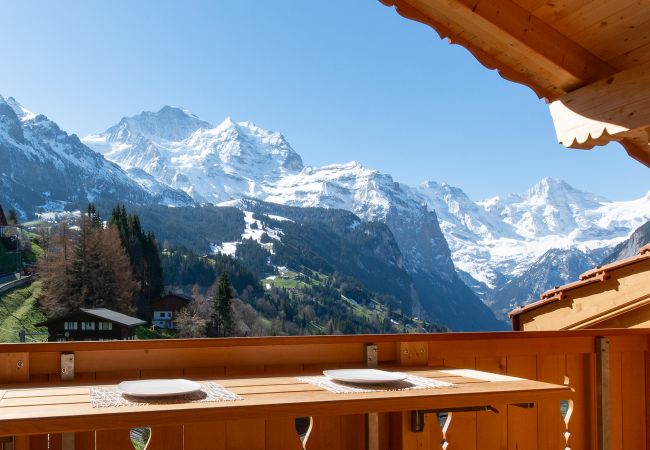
(440, 230)
(211, 164)
(496, 239)
(236, 160)
(45, 168)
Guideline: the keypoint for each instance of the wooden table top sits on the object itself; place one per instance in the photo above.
(67, 408)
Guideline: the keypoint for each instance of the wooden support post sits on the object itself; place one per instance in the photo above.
(372, 419)
(67, 374)
(603, 394)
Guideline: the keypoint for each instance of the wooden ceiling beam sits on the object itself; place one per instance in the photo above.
(616, 108)
(504, 36)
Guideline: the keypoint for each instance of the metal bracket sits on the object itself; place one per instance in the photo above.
(67, 366)
(417, 417)
(524, 405)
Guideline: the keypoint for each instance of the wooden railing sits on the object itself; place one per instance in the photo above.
(609, 371)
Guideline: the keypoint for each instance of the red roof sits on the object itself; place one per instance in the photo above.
(598, 274)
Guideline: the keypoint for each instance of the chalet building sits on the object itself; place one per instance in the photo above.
(166, 308)
(3, 222)
(98, 324)
(616, 295)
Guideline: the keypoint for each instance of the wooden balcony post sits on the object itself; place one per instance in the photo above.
(372, 419)
(603, 392)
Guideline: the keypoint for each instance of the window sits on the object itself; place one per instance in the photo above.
(105, 325)
(70, 326)
(87, 325)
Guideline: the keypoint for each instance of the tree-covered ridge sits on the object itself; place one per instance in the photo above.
(194, 228)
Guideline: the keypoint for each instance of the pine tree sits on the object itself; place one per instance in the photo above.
(144, 256)
(222, 311)
(87, 269)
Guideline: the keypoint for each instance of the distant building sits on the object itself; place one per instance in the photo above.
(616, 295)
(97, 324)
(166, 308)
(3, 222)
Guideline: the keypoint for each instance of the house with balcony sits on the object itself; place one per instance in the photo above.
(91, 324)
(166, 308)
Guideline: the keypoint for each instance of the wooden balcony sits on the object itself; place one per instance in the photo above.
(607, 369)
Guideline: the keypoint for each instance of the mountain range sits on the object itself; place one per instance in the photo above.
(454, 248)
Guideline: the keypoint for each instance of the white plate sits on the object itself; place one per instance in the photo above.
(368, 376)
(158, 388)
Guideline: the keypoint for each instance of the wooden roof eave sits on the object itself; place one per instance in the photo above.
(595, 275)
(504, 36)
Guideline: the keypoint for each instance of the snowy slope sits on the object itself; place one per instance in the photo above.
(211, 164)
(45, 168)
(502, 237)
(438, 227)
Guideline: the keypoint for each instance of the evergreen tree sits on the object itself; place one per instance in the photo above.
(144, 256)
(12, 217)
(222, 311)
(87, 269)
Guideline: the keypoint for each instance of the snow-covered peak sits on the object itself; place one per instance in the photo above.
(23, 113)
(553, 190)
(169, 123)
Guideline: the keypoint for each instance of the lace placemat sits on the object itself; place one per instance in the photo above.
(339, 387)
(101, 397)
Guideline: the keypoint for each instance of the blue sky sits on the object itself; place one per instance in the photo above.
(342, 80)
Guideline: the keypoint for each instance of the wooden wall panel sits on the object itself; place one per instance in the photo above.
(113, 439)
(245, 434)
(551, 426)
(633, 399)
(328, 435)
(166, 438)
(522, 423)
(580, 370)
(84, 440)
(491, 428)
(616, 406)
(205, 436)
(281, 434)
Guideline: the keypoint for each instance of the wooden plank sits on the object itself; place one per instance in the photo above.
(245, 434)
(461, 431)
(582, 421)
(492, 429)
(38, 442)
(522, 423)
(55, 441)
(281, 434)
(511, 347)
(551, 426)
(606, 109)
(117, 376)
(166, 438)
(113, 439)
(352, 432)
(324, 434)
(22, 443)
(412, 353)
(633, 399)
(608, 389)
(14, 367)
(84, 440)
(205, 436)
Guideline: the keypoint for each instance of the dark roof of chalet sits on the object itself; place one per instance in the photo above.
(101, 313)
(181, 296)
(3, 219)
(595, 275)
